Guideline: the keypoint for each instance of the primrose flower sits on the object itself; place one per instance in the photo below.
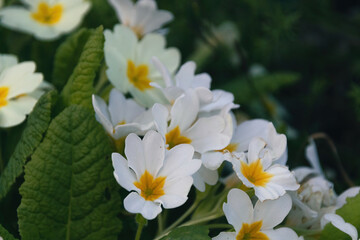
(45, 19)
(241, 137)
(257, 170)
(316, 202)
(155, 176)
(17, 83)
(129, 61)
(256, 222)
(122, 116)
(142, 17)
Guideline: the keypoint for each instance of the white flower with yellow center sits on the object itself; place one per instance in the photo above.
(129, 61)
(183, 126)
(257, 170)
(142, 17)
(17, 83)
(256, 223)
(45, 19)
(154, 175)
(241, 138)
(122, 116)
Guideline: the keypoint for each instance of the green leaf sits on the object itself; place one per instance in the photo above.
(79, 88)
(69, 190)
(350, 212)
(188, 233)
(5, 234)
(37, 125)
(67, 57)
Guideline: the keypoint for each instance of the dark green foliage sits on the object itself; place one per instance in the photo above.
(5, 234)
(64, 193)
(79, 88)
(37, 125)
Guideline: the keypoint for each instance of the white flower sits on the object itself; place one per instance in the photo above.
(129, 61)
(316, 202)
(142, 17)
(182, 126)
(122, 116)
(240, 140)
(256, 222)
(257, 170)
(17, 83)
(156, 177)
(45, 19)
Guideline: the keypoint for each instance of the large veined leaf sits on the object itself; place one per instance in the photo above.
(69, 190)
(188, 233)
(79, 88)
(37, 125)
(5, 234)
(351, 214)
(67, 57)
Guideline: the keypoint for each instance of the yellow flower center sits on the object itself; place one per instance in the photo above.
(229, 148)
(4, 91)
(151, 189)
(47, 14)
(138, 76)
(255, 173)
(174, 138)
(251, 232)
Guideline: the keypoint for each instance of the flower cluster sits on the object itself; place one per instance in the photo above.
(171, 131)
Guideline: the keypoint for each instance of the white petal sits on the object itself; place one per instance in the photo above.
(20, 79)
(238, 209)
(154, 152)
(179, 162)
(209, 176)
(283, 177)
(272, 212)
(340, 224)
(277, 142)
(164, 71)
(302, 172)
(225, 236)
(351, 192)
(122, 173)
(134, 152)
(23, 104)
(184, 111)
(123, 9)
(198, 182)
(176, 192)
(7, 60)
(212, 160)
(206, 134)
(102, 113)
(10, 117)
(134, 203)
(255, 146)
(281, 234)
(160, 114)
(247, 130)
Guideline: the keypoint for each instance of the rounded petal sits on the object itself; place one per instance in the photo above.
(340, 224)
(238, 209)
(272, 212)
(351, 192)
(313, 157)
(184, 111)
(225, 236)
(176, 192)
(134, 203)
(154, 152)
(255, 146)
(10, 117)
(247, 130)
(134, 152)
(277, 142)
(282, 234)
(160, 114)
(122, 173)
(212, 160)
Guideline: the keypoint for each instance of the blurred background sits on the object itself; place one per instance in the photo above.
(293, 62)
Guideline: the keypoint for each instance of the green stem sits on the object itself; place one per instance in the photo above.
(160, 219)
(141, 223)
(2, 164)
(202, 220)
